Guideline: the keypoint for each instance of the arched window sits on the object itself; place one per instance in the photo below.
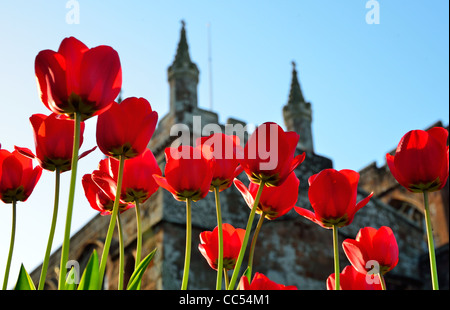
(85, 255)
(408, 209)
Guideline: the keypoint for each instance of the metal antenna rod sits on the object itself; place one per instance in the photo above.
(208, 25)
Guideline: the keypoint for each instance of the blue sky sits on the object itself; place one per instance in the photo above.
(368, 84)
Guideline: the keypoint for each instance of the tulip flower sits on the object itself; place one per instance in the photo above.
(137, 186)
(188, 173)
(421, 160)
(225, 151)
(269, 158)
(332, 195)
(53, 137)
(421, 165)
(373, 250)
(269, 155)
(101, 191)
(352, 279)
(79, 82)
(123, 132)
(98, 199)
(17, 176)
(138, 183)
(232, 240)
(126, 128)
(273, 203)
(261, 282)
(18, 179)
(188, 176)
(78, 79)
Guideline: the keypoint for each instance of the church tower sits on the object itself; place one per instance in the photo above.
(297, 114)
(183, 78)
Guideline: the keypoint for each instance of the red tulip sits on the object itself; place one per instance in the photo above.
(100, 189)
(53, 137)
(332, 195)
(232, 242)
(351, 279)
(17, 176)
(225, 151)
(269, 154)
(421, 160)
(274, 201)
(78, 79)
(370, 247)
(138, 183)
(188, 173)
(261, 282)
(126, 128)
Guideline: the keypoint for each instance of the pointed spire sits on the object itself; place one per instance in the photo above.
(182, 58)
(297, 114)
(295, 94)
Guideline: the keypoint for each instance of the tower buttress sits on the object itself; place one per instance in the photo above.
(297, 114)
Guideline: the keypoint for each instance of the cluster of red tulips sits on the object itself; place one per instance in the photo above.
(76, 83)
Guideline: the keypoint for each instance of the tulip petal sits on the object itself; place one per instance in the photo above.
(25, 152)
(336, 202)
(297, 161)
(106, 183)
(391, 164)
(310, 216)
(363, 202)
(162, 181)
(110, 132)
(51, 76)
(90, 191)
(72, 50)
(102, 75)
(355, 255)
(86, 153)
(12, 171)
(245, 192)
(440, 134)
(31, 182)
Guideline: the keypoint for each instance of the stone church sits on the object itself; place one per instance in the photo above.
(290, 250)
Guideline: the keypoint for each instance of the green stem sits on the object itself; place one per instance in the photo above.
(433, 268)
(139, 235)
(112, 222)
(253, 244)
(246, 236)
(73, 178)
(382, 282)
(336, 258)
(220, 229)
(121, 254)
(52, 230)
(225, 276)
(11, 244)
(187, 257)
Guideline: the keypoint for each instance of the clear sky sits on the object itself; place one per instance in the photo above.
(368, 83)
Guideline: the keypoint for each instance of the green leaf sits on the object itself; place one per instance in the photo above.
(24, 281)
(71, 283)
(136, 277)
(90, 278)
